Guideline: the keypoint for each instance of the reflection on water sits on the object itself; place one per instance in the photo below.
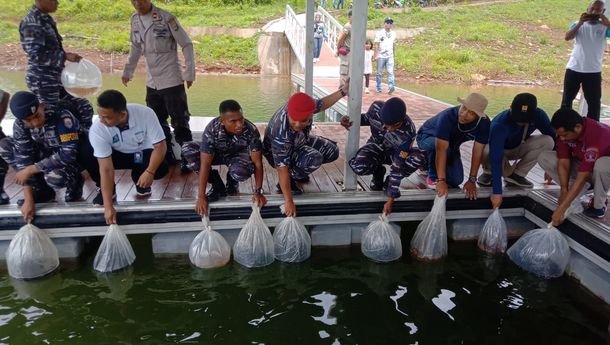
(259, 96)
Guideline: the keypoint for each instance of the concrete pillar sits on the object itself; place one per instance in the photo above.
(309, 20)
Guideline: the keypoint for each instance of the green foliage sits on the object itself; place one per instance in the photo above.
(225, 49)
(8, 32)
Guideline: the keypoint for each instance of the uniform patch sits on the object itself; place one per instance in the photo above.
(403, 154)
(155, 16)
(524, 108)
(68, 137)
(115, 139)
(173, 24)
(591, 155)
(68, 122)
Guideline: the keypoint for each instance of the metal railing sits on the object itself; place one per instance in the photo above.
(295, 33)
(333, 29)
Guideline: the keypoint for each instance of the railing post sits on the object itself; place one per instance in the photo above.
(309, 20)
(354, 103)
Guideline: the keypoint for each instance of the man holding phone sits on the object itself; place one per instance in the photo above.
(585, 64)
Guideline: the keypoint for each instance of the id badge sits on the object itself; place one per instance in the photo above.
(138, 157)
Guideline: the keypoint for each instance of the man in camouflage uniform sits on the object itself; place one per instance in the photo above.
(156, 33)
(4, 97)
(290, 147)
(42, 44)
(392, 135)
(44, 151)
(232, 140)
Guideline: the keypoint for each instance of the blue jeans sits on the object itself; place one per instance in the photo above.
(454, 170)
(317, 47)
(388, 63)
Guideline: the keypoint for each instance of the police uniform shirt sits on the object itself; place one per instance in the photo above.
(142, 132)
(281, 140)
(156, 35)
(56, 141)
(41, 42)
(216, 140)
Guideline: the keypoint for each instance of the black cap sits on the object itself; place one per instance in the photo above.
(394, 110)
(24, 104)
(389, 20)
(523, 108)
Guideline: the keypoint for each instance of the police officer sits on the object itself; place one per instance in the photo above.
(232, 140)
(155, 33)
(392, 135)
(4, 97)
(43, 150)
(46, 56)
(290, 147)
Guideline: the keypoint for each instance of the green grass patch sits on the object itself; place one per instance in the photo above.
(9, 32)
(226, 50)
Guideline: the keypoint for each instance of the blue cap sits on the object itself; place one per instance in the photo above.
(24, 104)
(393, 111)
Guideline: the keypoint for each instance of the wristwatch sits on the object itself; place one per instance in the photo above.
(472, 179)
(259, 191)
(343, 93)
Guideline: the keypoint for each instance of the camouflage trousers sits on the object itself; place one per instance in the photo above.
(45, 85)
(3, 163)
(308, 158)
(402, 164)
(57, 179)
(240, 164)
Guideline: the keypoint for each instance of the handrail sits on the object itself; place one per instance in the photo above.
(333, 29)
(295, 33)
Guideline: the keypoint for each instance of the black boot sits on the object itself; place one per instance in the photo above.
(232, 185)
(377, 180)
(4, 199)
(42, 191)
(218, 189)
(74, 192)
(184, 167)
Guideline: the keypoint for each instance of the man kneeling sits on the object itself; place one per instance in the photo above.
(232, 140)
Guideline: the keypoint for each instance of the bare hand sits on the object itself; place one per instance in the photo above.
(189, 83)
(345, 122)
(604, 20)
(290, 209)
(583, 18)
(23, 175)
(496, 200)
(387, 207)
(548, 179)
(259, 200)
(125, 80)
(109, 214)
(470, 189)
(73, 57)
(28, 210)
(558, 216)
(442, 189)
(345, 87)
(201, 207)
(146, 179)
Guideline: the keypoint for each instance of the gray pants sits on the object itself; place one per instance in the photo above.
(343, 69)
(600, 177)
(526, 155)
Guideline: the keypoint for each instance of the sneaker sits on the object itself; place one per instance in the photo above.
(595, 212)
(143, 192)
(99, 199)
(218, 189)
(184, 167)
(430, 183)
(378, 91)
(75, 192)
(517, 180)
(484, 180)
(232, 185)
(296, 190)
(366, 90)
(391, 91)
(303, 180)
(4, 199)
(377, 180)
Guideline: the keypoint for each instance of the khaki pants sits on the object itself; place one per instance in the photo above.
(600, 177)
(343, 69)
(526, 154)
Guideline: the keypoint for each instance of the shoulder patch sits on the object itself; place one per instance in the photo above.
(68, 123)
(156, 16)
(403, 154)
(173, 24)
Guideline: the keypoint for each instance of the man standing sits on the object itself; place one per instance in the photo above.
(232, 140)
(290, 147)
(392, 135)
(583, 155)
(156, 33)
(343, 48)
(585, 64)
(511, 139)
(384, 53)
(44, 151)
(43, 47)
(4, 97)
(125, 136)
(441, 137)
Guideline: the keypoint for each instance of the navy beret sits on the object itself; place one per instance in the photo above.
(393, 111)
(23, 104)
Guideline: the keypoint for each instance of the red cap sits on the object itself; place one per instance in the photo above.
(301, 106)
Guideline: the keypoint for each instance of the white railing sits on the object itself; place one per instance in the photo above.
(333, 29)
(295, 32)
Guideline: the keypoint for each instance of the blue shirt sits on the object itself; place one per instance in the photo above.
(505, 134)
(445, 126)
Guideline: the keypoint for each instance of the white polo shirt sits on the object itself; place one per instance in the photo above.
(144, 131)
(589, 46)
(386, 41)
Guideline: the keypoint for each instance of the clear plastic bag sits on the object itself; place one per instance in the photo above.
(292, 241)
(81, 78)
(115, 252)
(31, 254)
(254, 246)
(493, 238)
(380, 242)
(209, 249)
(430, 240)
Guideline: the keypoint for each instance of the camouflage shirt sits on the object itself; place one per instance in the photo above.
(41, 42)
(400, 139)
(215, 140)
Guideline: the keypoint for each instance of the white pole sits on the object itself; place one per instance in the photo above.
(354, 103)
(309, 20)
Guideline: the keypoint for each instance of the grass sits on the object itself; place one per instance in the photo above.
(521, 40)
